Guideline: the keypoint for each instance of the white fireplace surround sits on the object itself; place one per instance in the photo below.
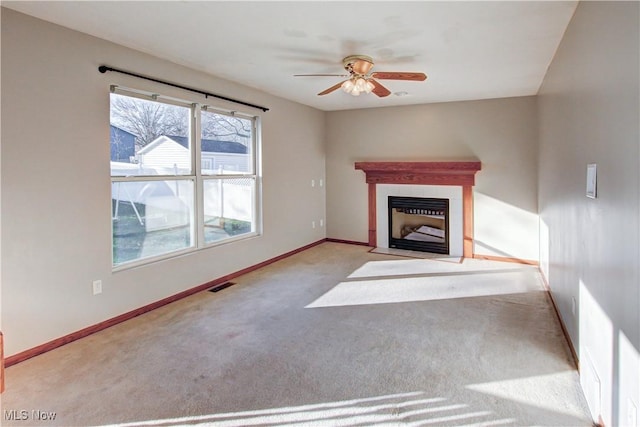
(453, 193)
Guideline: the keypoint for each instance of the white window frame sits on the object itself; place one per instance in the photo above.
(198, 178)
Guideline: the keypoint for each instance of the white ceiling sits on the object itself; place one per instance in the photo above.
(469, 50)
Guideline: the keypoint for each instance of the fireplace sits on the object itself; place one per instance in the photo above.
(419, 224)
(454, 174)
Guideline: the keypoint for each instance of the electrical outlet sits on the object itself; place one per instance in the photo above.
(313, 224)
(313, 182)
(321, 223)
(321, 182)
(97, 287)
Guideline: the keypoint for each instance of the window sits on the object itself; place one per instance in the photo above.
(183, 176)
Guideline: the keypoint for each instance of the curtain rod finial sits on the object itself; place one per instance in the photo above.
(103, 69)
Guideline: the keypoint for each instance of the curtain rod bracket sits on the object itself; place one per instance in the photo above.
(103, 69)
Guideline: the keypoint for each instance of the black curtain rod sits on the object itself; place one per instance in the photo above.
(103, 69)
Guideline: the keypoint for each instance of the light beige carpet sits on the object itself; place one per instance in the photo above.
(333, 336)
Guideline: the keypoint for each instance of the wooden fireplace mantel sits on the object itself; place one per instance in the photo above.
(424, 173)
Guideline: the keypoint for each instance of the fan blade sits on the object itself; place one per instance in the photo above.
(379, 90)
(331, 89)
(390, 75)
(320, 75)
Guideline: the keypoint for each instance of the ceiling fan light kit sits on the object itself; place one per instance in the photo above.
(355, 85)
(361, 79)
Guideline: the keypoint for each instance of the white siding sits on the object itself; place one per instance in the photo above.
(166, 156)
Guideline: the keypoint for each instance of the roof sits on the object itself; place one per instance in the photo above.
(208, 145)
(117, 129)
(213, 146)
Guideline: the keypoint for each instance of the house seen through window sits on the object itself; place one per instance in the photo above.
(183, 177)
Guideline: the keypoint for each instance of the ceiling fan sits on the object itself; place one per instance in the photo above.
(361, 79)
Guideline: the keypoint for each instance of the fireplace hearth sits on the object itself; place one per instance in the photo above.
(419, 224)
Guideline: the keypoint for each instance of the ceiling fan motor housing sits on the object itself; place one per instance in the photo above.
(358, 64)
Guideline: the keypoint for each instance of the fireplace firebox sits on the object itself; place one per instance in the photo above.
(419, 224)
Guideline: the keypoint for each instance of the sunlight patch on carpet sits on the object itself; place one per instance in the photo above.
(409, 409)
(426, 288)
(547, 392)
(404, 267)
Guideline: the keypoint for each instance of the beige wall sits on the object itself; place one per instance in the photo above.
(56, 234)
(589, 113)
(501, 133)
